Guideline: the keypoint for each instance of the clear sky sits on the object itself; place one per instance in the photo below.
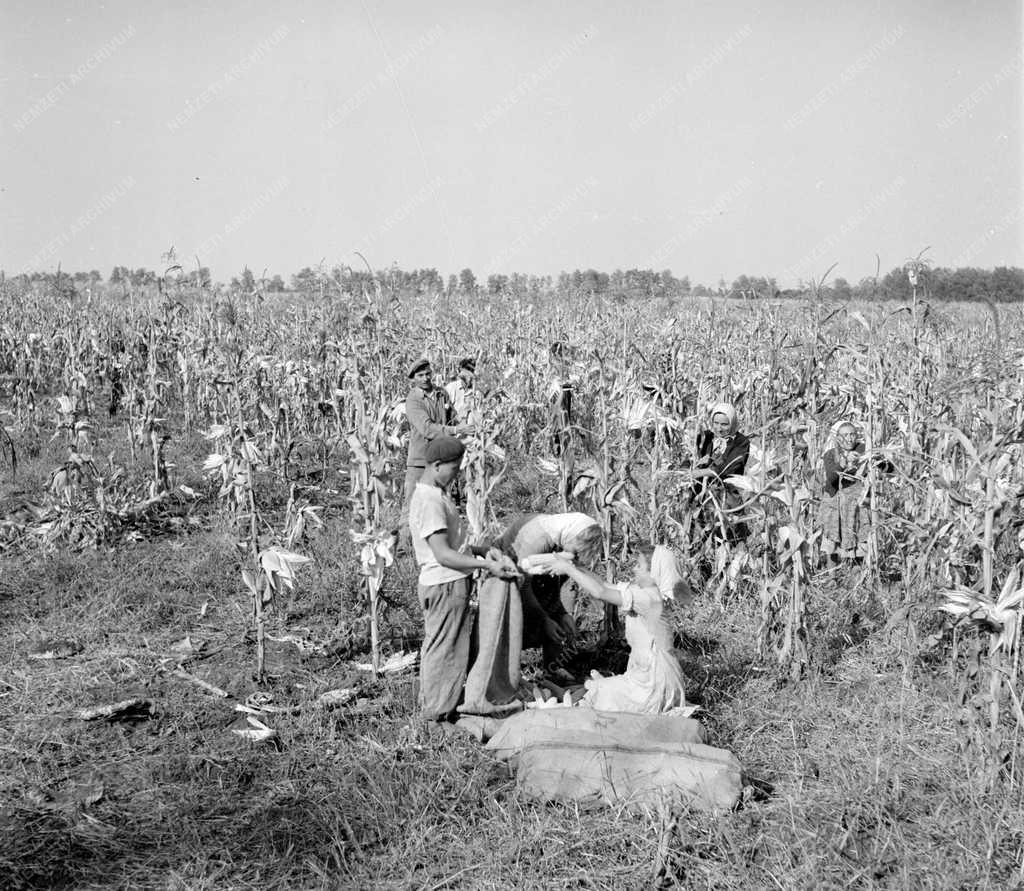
(711, 138)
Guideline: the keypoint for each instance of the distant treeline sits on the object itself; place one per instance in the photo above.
(1001, 285)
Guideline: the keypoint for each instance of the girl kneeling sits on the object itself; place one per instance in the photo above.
(653, 681)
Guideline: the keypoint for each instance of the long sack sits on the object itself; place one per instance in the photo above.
(580, 754)
(493, 678)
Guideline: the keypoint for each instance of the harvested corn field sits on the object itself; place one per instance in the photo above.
(191, 488)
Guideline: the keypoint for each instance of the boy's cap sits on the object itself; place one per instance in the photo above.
(469, 363)
(444, 449)
(418, 366)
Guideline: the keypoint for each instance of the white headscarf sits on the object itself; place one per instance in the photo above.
(725, 408)
(665, 571)
(832, 440)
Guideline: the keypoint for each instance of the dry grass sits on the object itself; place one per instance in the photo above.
(863, 775)
(871, 786)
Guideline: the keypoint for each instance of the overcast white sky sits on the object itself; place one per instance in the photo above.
(711, 138)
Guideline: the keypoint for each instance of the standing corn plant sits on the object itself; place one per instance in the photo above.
(373, 457)
(271, 568)
(783, 629)
(999, 616)
(484, 467)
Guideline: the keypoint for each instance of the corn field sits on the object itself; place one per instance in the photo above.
(297, 400)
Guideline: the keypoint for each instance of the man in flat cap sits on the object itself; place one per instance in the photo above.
(460, 391)
(445, 579)
(429, 412)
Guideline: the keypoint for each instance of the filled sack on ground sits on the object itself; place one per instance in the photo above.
(617, 757)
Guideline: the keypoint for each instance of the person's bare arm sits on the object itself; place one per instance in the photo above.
(448, 556)
(492, 552)
(587, 581)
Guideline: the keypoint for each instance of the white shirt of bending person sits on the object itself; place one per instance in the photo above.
(463, 397)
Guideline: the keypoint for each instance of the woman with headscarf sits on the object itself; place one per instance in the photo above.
(653, 681)
(844, 516)
(722, 451)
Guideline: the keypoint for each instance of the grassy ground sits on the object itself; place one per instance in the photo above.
(870, 783)
(861, 775)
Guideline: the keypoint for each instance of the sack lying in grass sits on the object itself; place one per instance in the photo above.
(616, 757)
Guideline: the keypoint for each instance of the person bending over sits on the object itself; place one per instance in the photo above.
(546, 620)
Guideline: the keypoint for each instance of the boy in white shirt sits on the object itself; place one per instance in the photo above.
(445, 580)
(460, 391)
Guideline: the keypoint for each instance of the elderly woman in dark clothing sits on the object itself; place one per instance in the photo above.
(844, 517)
(722, 451)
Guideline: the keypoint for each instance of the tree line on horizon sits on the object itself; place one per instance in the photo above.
(1002, 284)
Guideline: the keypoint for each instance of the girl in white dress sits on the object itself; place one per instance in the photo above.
(653, 681)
